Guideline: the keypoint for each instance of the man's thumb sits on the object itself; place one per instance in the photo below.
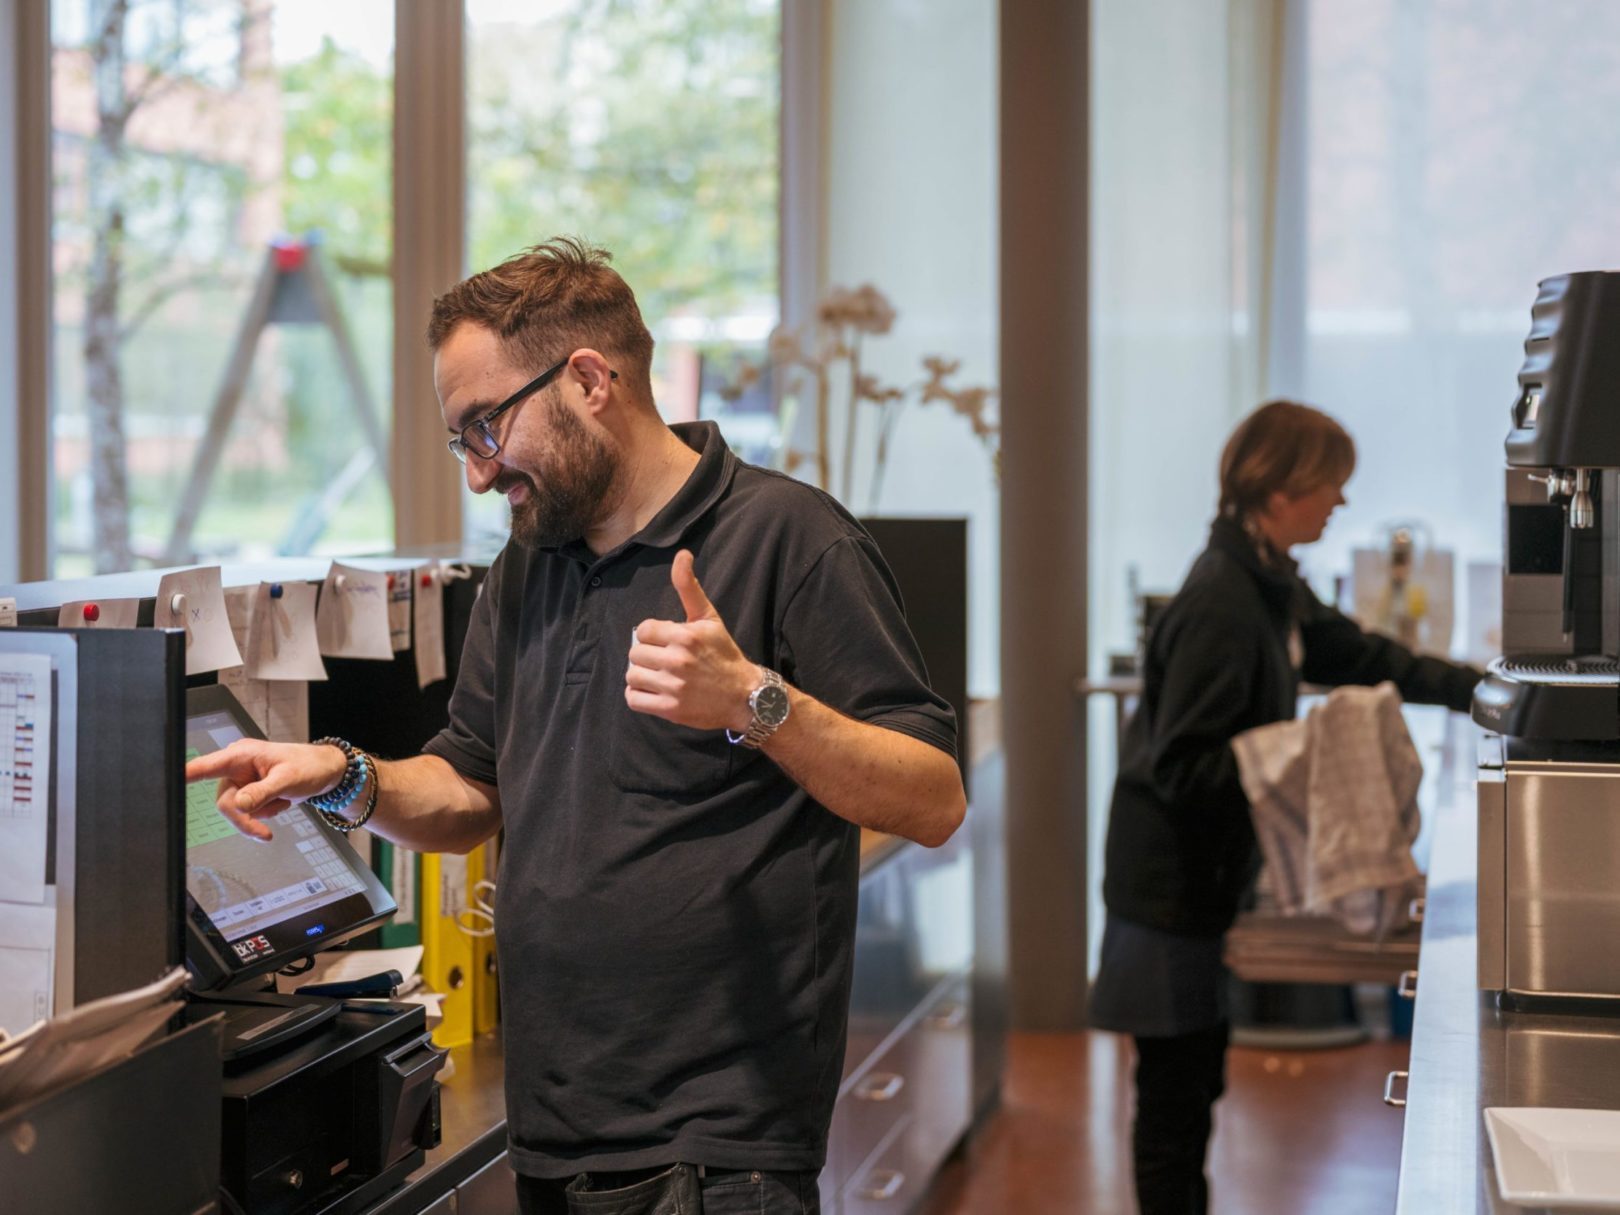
(693, 599)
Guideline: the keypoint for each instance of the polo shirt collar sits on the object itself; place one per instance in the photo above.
(701, 490)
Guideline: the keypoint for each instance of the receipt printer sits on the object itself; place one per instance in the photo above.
(335, 1119)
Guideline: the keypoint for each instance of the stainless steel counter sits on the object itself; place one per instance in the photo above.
(1466, 1054)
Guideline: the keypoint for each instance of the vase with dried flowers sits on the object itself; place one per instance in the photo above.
(821, 370)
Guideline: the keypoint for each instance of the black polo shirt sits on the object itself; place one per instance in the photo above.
(675, 916)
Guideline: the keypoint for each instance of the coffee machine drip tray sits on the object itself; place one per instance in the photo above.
(1551, 699)
(1594, 670)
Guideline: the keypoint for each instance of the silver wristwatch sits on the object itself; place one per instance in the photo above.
(769, 705)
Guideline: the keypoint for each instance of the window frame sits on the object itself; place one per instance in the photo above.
(428, 256)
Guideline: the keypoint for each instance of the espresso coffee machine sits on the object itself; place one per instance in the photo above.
(1549, 781)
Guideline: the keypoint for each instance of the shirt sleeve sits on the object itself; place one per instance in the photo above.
(845, 641)
(1203, 700)
(467, 743)
(1339, 651)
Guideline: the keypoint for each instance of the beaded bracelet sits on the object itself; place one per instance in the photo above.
(346, 825)
(359, 771)
(348, 787)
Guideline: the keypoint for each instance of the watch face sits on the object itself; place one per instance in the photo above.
(771, 705)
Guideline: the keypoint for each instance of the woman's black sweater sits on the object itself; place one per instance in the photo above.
(1181, 851)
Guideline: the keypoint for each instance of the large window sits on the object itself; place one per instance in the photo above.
(1454, 155)
(1352, 207)
(648, 127)
(221, 244)
(910, 165)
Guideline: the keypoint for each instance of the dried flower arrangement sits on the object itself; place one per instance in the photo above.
(809, 364)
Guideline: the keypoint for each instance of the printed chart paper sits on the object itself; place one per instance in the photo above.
(25, 766)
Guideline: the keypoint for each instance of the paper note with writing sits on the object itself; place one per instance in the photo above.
(193, 600)
(8, 613)
(27, 964)
(98, 614)
(352, 617)
(282, 643)
(429, 621)
(25, 766)
(399, 610)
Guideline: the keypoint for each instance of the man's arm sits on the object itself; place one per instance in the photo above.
(422, 803)
(872, 776)
(694, 674)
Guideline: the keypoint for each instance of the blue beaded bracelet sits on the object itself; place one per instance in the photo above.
(342, 795)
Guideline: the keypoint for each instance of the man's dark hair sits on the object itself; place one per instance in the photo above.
(549, 301)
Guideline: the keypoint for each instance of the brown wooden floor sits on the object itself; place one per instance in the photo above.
(1298, 1133)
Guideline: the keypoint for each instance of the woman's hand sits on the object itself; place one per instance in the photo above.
(258, 780)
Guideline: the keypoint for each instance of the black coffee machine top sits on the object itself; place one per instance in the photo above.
(1567, 415)
(1558, 679)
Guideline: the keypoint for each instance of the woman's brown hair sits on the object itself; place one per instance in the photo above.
(1282, 446)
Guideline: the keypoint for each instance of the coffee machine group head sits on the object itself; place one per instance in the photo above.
(1563, 470)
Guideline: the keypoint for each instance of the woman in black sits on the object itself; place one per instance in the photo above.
(1227, 655)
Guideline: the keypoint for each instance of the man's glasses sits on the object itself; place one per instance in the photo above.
(478, 438)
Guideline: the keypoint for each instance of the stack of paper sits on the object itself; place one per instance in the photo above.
(52, 1053)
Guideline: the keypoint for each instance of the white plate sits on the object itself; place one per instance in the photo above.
(1559, 1158)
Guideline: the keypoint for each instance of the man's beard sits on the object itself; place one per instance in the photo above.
(580, 469)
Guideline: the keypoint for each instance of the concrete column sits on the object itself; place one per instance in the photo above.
(1045, 152)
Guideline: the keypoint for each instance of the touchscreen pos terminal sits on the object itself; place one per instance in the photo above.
(255, 906)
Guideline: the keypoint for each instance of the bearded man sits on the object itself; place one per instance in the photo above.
(687, 683)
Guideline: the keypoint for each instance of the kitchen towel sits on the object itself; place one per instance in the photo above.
(1333, 797)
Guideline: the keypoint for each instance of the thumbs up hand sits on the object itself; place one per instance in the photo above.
(691, 673)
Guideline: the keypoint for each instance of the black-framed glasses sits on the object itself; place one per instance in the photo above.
(477, 437)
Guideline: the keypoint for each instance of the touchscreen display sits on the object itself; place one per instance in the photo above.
(246, 885)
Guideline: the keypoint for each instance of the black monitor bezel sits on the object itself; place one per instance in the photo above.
(214, 962)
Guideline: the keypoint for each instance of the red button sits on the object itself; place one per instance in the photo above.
(92, 613)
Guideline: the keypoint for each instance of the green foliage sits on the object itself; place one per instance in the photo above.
(647, 126)
(339, 153)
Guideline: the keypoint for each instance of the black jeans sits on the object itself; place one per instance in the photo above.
(1178, 1080)
(727, 1192)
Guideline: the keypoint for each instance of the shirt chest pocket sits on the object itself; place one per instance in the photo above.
(651, 755)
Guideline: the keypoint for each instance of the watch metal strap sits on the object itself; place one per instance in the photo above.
(758, 731)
